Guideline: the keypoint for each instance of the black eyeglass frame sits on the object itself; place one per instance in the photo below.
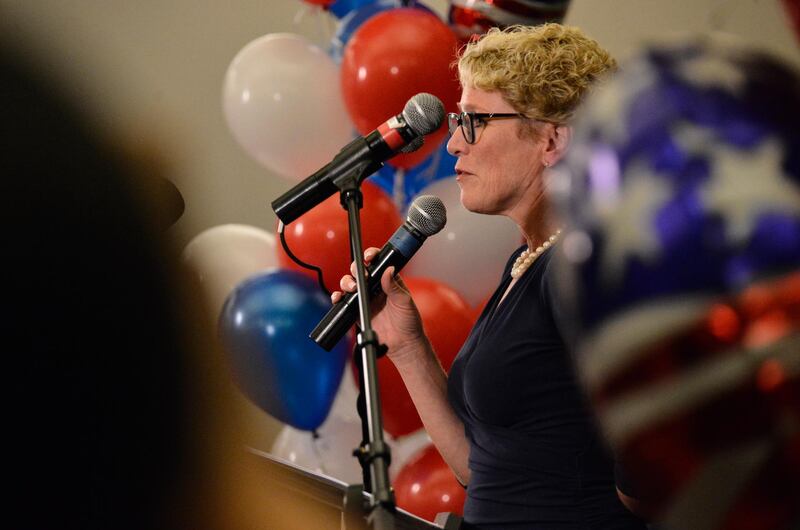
(457, 120)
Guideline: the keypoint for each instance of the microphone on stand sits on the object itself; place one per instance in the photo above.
(403, 133)
(426, 216)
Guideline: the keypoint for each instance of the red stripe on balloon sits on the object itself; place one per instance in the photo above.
(527, 10)
(761, 315)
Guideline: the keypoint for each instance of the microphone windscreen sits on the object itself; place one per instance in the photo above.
(427, 214)
(424, 113)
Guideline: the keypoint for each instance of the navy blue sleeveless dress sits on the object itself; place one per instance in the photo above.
(536, 459)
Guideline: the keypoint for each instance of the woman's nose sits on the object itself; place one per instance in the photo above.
(456, 143)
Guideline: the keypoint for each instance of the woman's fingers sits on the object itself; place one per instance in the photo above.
(392, 283)
(387, 280)
(370, 253)
(348, 284)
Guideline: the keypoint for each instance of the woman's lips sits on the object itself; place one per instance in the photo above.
(460, 173)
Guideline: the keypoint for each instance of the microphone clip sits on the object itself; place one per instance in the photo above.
(363, 338)
(349, 183)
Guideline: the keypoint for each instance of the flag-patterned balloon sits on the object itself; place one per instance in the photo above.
(682, 264)
(475, 17)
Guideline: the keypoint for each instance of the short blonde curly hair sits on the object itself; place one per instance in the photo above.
(542, 71)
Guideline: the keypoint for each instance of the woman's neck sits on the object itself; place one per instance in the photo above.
(538, 225)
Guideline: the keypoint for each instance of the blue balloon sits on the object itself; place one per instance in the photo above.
(439, 165)
(340, 8)
(384, 178)
(264, 327)
(351, 21)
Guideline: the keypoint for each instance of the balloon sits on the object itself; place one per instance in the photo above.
(447, 317)
(792, 8)
(341, 8)
(681, 266)
(322, 3)
(354, 19)
(344, 405)
(224, 256)
(476, 17)
(321, 236)
(393, 56)
(384, 179)
(405, 448)
(283, 104)
(426, 486)
(405, 185)
(264, 327)
(469, 254)
(478, 308)
(438, 166)
(448, 320)
(330, 452)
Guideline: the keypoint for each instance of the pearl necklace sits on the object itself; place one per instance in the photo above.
(528, 256)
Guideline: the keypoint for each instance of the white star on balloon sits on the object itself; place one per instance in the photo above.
(692, 139)
(712, 72)
(608, 106)
(629, 225)
(746, 183)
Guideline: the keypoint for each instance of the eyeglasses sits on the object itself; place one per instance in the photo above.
(468, 121)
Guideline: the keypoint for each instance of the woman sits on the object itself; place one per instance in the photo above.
(510, 420)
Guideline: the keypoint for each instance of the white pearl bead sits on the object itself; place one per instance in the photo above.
(527, 257)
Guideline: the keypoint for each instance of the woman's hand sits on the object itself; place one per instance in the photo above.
(398, 324)
(395, 318)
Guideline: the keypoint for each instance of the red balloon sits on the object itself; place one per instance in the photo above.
(448, 320)
(390, 58)
(321, 236)
(792, 8)
(426, 486)
(447, 317)
(323, 3)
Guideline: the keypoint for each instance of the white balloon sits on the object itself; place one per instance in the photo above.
(404, 448)
(297, 447)
(226, 255)
(470, 252)
(344, 405)
(282, 101)
(330, 453)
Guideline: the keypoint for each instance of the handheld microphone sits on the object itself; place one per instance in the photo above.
(426, 216)
(403, 133)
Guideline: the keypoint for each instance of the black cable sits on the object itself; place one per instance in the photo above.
(299, 261)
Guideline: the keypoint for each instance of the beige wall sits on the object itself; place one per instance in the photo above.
(152, 71)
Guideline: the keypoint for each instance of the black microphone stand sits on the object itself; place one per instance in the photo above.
(376, 452)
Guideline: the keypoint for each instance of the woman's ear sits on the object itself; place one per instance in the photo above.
(557, 143)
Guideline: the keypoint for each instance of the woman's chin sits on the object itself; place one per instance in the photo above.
(474, 200)
(473, 206)
(466, 199)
